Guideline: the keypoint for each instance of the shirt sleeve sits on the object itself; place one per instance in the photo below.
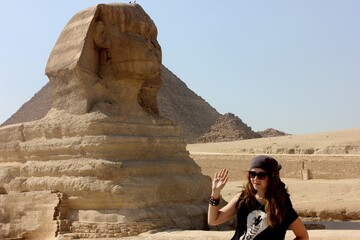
(291, 214)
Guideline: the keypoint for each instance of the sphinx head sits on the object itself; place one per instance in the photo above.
(125, 36)
(106, 59)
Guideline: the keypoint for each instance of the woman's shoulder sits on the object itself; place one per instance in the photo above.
(236, 199)
(238, 195)
(241, 198)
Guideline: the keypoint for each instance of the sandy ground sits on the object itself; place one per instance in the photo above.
(319, 141)
(315, 198)
(325, 199)
(321, 196)
(318, 198)
(226, 235)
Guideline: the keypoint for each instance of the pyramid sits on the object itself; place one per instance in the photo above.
(271, 132)
(228, 128)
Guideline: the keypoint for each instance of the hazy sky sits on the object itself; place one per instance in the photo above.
(290, 65)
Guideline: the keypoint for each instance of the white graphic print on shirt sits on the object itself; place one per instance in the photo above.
(256, 223)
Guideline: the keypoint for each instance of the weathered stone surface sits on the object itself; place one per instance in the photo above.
(117, 166)
(28, 215)
(180, 104)
(228, 128)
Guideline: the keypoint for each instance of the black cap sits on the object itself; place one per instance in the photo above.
(268, 164)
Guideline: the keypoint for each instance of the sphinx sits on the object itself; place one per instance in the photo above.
(102, 163)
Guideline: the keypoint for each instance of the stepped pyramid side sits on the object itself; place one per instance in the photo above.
(228, 128)
(270, 132)
(180, 104)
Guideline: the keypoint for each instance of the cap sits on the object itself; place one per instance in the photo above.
(268, 164)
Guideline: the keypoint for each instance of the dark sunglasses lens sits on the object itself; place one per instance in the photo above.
(260, 175)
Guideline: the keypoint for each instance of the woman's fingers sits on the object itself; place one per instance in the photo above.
(223, 173)
(226, 172)
(221, 177)
(226, 179)
(215, 175)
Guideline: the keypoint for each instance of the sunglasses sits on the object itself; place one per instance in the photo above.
(260, 175)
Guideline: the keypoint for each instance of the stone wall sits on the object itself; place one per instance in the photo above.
(28, 215)
(294, 166)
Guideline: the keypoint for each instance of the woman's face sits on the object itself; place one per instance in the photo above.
(259, 179)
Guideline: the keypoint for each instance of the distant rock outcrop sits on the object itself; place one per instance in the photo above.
(270, 132)
(228, 128)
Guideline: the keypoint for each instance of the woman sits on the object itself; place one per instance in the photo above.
(263, 208)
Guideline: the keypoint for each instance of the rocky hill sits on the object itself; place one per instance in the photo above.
(270, 132)
(175, 101)
(228, 128)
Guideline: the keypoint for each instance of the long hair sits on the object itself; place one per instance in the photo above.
(275, 199)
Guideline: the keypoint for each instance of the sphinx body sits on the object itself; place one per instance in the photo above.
(102, 162)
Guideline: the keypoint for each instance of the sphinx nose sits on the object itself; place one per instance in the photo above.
(154, 46)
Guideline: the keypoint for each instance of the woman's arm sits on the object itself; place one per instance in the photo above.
(218, 216)
(299, 230)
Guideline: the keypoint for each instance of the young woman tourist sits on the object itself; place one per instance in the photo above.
(263, 208)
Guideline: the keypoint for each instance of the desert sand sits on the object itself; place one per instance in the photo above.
(330, 204)
(321, 143)
(314, 199)
(226, 235)
(329, 197)
(318, 199)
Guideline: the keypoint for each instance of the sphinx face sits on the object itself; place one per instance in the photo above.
(135, 52)
(130, 59)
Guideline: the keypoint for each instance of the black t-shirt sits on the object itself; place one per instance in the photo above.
(252, 223)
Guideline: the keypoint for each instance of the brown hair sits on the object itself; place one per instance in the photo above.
(275, 199)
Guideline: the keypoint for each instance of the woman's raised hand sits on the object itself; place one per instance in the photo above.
(219, 181)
